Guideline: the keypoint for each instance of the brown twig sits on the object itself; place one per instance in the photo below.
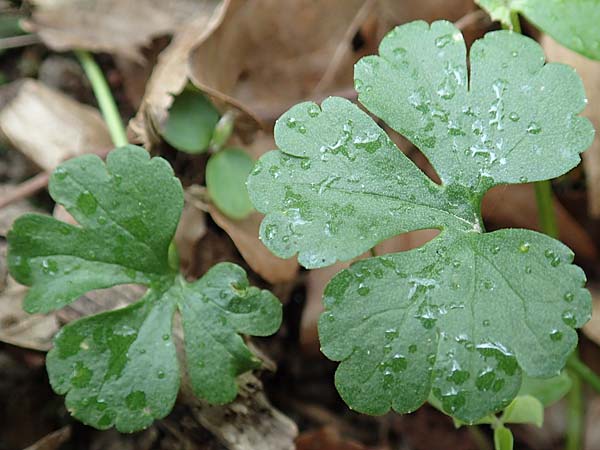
(343, 47)
(19, 41)
(25, 189)
(35, 184)
(470, 18)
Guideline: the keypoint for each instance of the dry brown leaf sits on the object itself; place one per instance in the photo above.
(32, 331)
(515, 206)
(589, 71)
(53, 441)
(317, 280)
(268, 57)
(111, 26)
(191, 228)
(244, 234)
(326, 438)
(63, 127)
(170, 75)
(394, 12)
(250, 422)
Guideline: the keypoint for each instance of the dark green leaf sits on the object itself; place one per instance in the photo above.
(226, 174)
(126, 227)
(573, 23)
(192, 119)
(461, 318)
(120, 368)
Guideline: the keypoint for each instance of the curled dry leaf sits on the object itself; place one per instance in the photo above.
(111, 26)
(266, 57)
(589, 71)
(244, 234)
(64, 128)
(171, 72)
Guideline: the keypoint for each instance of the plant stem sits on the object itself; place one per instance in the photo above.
(547, 218)
(579, 368)
(515, 22)
(574, 415)
(104, 97)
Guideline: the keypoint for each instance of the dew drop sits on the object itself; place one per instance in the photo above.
(412, 348)
(313, 110)
(363, 290)
(61, 173)
(291, 122)
(486, 323)
(275, 171)
(86, 203)
(495, 250)
(442, 41)
(556, 335)
(391, 333)
(534, 128)
(569, 318)
(514, 116)
(524, 247)
(398, 363)
(161, 374)
(302, 129)
(569, 297)
(49, 267)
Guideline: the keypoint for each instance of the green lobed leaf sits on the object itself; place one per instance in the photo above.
(120, 367)
(192, 119)
(463, 317)
(573, 23)
(226, 174)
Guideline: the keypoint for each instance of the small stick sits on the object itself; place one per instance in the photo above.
(34, 184)
(25, 189)
(19, 41)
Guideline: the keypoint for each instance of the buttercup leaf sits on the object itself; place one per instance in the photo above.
(120, 367)
(462, 318)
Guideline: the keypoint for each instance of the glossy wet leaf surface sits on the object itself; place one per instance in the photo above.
(120, 367)
(463, 317)
(226, 174)
(573, 23)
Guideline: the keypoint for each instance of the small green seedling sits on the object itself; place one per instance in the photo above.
(461, 320)
(193, 126)
(120, 367)
(192, 119)
(573, 23)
